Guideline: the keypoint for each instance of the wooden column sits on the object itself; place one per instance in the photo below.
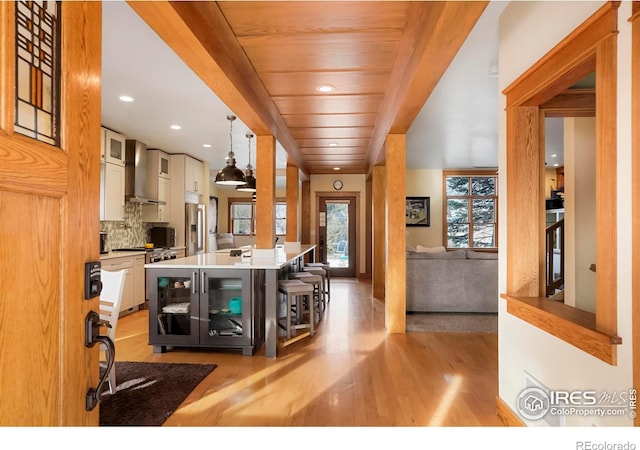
(266, 191)
(305, 232)
(379, 237)
(292, 203)
(396, 267)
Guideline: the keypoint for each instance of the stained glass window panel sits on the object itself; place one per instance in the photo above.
(37, 110)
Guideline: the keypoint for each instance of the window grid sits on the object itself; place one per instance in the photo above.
(470, 209)
(242, 217)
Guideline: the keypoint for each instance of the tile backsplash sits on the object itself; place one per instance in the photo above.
(132, 232)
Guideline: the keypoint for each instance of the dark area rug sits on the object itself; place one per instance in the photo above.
(452, 322)
(148, 393)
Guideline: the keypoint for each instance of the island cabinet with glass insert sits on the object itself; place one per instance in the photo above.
(216, 308)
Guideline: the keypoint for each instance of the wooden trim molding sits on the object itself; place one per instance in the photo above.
(572, 325)
(506, 414)
(591, 47)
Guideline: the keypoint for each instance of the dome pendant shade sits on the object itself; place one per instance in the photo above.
(250, 185)
(230, 175)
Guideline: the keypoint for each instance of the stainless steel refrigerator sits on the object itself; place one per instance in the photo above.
(194, 228)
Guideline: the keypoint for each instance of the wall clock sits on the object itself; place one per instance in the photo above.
(337, 185)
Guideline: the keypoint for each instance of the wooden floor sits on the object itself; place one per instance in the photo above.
(351, 373)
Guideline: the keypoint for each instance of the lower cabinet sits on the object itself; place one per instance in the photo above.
(134, 284)
(217, 308)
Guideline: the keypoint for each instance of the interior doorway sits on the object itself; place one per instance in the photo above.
(337, 233)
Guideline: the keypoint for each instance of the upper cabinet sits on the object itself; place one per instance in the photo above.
(114, 146)
(158, 186)
(193, 175)
(112, 178)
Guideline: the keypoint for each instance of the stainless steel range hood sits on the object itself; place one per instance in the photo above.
(136, 173)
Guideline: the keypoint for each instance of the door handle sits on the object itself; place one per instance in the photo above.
(92, 337)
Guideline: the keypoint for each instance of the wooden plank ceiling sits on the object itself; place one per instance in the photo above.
(266, 59)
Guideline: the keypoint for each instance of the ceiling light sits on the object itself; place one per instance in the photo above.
(324, 88)
(333, 144)
(556, 165)
(126, 98)
(206, 145)
(250, 185)
(176, 127)
(230, 175)
(336, 168)
(554, 155)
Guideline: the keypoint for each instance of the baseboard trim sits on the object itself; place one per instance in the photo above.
(508, 417)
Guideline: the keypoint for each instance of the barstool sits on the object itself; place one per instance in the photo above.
(309, 267)
(316, 281)
(295, 291)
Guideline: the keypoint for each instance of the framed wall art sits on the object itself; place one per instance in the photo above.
(417, 212)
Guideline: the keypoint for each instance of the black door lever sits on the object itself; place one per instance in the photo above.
(92, 336)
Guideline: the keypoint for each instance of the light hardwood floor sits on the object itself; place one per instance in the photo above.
(351, 373)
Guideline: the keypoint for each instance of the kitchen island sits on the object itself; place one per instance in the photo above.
(220, 301)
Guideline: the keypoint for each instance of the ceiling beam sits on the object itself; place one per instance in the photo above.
(431, 40)
(199, 34)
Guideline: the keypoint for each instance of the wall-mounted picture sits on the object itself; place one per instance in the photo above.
(417, 211)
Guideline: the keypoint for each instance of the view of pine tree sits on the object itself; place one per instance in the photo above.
(471, 204)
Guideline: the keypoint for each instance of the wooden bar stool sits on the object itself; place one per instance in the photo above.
(317, 282)
(295, 291)
(310, 267)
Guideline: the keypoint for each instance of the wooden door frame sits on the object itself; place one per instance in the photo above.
(346, 194)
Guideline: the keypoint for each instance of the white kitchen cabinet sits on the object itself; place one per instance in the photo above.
(193, 175)
(159, 164)
(114, 147)
(134, 293)
(158, 186)
(111, 192)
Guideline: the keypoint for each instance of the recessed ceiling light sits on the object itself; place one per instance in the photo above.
(332, 144)
(556, 165)
(554, 155)
(126, 98)
(336, 168)
(206, 145)
(176, 127)
(325, 88)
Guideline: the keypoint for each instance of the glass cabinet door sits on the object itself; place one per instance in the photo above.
(226, 305)
(173, 315)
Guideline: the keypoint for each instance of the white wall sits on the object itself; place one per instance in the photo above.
(426, 183)
(580, 212)
(527, 31)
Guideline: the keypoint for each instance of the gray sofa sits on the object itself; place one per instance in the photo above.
(455, 281)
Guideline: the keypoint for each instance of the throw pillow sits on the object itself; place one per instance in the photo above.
(422, 249)
(410, 248)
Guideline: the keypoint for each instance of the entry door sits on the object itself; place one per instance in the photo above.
(49, 214)
(337, 234)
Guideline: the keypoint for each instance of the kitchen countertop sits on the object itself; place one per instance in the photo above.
(123, 254)
(253, 259)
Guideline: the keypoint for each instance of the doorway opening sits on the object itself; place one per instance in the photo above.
(337, 234)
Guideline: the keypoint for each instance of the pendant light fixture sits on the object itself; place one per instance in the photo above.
(250, 185)
(230, 175)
